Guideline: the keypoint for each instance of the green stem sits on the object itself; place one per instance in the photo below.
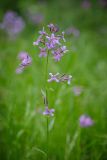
(46, 77)
(47, 138)
(46, 102)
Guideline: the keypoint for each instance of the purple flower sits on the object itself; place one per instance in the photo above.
(25, 61)
(73, 30)
(86, 4)
(59, 53)
(60, 78)
(35, 18)
(52, 41)
(103, 3)
(43, 52)
(57, 56)
(64, 78)
(85, 121)
(53, 77)
(63, 49)
(48, 112)
(77, 90)
(12, 24)
(53, 28)
(22, 55)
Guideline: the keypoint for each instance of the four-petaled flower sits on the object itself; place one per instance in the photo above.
(85, 121)
(60, 78)
(65, 77)
(48, 112)
(53, 77)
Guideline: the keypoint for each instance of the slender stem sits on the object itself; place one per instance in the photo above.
(46, 76)
(46, 102)
(47, 138)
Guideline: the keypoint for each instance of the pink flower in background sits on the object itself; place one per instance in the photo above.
(48, 112)
(35, 18)
(77, 90)
(72, 30)
(86, 4)
(25, 59)
(85, 121)
(103, 3)
(12, 24)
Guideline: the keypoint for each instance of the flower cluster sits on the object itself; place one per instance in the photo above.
(59, 78)
(51, 42)
(12, 24)
(25, 61)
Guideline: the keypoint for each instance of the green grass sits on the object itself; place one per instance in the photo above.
(22, 126)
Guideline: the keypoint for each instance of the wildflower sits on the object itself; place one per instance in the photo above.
(35, 18)
(103, 3)
(48, 112)
(60, 78)
(85, 121)
(43, 52)
(63, 49)
(52, 41)
(12, 24)
(53, 28)
(77, 90)
(57, 56)
(22, 55)
(65, 78)
(73, 30)
(25, 61)
(86, 4)
(59, 53)
(53, 77)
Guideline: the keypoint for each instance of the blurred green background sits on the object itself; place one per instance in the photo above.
(22, 125)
